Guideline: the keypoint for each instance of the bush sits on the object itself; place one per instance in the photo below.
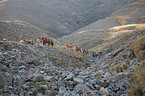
(138, 47)
(138, 81)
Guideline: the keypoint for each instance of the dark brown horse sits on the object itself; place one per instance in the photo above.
(44, 41)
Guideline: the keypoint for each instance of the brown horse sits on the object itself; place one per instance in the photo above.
(76, 48)
(68, 46)
(43, 41)
(28, 42)
(48, 41)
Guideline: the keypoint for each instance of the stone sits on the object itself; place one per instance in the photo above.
(38, 77)
(107, 74)
(66, 94)
(119, 84)
(5, 79)
(90, 85)
(48, 78)
(104, 84)
(5, 63)
(20, 62)
(97, 87)
(39, 94)
(50, 92)
(62, 90)
(103, 91)
(44, 86)
(79, 80)
(81, 87)
(3, 68)
(34, 61)
(127, 83)
(70, 76)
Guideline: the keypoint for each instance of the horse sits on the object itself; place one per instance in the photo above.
(68, 46)
(43, 41)
(40, 40)
(76, 48)
(48, 41)
(27, 42)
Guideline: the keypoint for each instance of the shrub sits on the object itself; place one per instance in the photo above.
(137, 46)
(138, 81)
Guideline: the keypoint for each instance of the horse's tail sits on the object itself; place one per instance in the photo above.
(32, 42)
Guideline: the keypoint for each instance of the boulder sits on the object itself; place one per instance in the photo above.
(3, 68)
(5, 79)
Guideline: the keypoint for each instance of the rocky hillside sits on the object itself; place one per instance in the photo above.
(55, 71)
(33, 70)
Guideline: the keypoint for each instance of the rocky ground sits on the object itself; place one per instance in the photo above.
(27, 71)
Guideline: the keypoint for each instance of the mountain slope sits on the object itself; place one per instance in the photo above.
(58, 17)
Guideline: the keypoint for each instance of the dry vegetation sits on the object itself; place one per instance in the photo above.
(138, 47)
(138, 81)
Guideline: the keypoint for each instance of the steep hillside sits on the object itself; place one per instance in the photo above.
(58, 17)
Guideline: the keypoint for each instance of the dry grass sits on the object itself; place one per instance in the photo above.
(138, 81)
(138, 47)
(124, 18)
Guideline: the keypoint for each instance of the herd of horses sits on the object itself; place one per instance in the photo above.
(46, 41)
(40, 41)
